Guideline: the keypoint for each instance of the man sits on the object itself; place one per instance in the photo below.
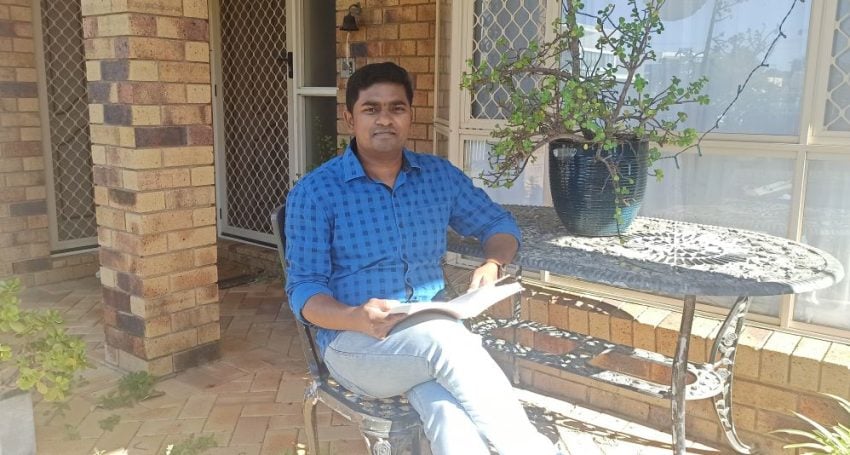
(369, 228)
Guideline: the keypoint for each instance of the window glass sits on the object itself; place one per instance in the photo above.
(518, 22)
(527, 190)
(724, 40)
(825, 226)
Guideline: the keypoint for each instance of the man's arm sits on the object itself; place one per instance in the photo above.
(371, 318)
(499, 251)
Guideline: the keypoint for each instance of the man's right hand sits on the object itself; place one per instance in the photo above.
(374, 319)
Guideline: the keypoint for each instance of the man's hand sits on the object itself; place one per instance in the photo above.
(485, 274)
(374, 319)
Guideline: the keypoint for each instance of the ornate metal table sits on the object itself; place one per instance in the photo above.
(671, 257)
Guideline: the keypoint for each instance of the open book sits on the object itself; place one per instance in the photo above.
(467, 305)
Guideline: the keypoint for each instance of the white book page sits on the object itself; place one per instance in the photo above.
(465, 306)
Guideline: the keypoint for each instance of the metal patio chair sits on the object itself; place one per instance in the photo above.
(389, 426)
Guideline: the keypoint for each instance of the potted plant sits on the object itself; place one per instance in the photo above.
(583, 94)
(36, 352)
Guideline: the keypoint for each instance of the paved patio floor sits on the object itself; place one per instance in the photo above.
(250, 399)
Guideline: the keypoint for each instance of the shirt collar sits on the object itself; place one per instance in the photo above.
(352, 168)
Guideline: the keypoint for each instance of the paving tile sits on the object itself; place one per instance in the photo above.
(223, 418)
(276, 442)
(266, 381)
(182, 426)
(250, 430)
(119, 437)
(197, 406)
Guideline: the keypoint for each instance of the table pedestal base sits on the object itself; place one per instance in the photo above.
(722, 359)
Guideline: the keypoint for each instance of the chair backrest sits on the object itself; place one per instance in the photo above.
(306, 333)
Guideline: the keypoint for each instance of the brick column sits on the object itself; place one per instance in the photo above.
(151, 127)
(24, 239)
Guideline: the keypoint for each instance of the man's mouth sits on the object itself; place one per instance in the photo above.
(388, 132)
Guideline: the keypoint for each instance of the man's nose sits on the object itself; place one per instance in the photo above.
(384, 118)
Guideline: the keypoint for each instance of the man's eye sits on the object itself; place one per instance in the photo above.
(369, 110)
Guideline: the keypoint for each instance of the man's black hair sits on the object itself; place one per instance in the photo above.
(376, 73)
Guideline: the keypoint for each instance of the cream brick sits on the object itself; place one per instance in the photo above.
(146, 115)
(196, 8)
(142, 70)
(171, 343)
(96, 114)
(775, 358)
(806, 363)
(192, 238)
(189, 72)
(165, 263)
(197, 51)
(194, 278)
(188, 156)
(156, 179)
(134, 159)
(28, 104)
(113, 25)
(204, 216)
(835, 370)
(110, 217)
(209, 332)
(198, 93)
(155, 223)
(203, 176)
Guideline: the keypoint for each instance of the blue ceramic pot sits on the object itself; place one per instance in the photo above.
(582, 188)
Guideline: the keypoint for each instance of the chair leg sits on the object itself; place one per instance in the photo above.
(310, 423)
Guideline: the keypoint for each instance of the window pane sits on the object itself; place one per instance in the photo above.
(836, 117)
(319, 44)
(519, 22)
(825, 226)
(751, 193)
(724, 40)
(320, 129)
(527, 190)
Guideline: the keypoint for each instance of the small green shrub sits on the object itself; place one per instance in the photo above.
(822, 440)
(36, 344)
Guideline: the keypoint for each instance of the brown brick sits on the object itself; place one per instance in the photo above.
(116, 299)
(200, 135)
(187, 115)
(198, 355)
(28, 208)
(148, 137)
(130, 323)
(18, 90)
(171, 343)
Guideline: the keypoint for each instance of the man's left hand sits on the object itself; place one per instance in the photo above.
(485, 274)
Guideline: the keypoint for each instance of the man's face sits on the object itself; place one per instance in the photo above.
(380, 119)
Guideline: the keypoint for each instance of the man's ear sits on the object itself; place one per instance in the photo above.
(349, 119)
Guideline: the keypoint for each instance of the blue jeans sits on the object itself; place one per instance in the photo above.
(460, 393)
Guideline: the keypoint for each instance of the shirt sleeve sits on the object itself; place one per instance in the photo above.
(475, 214)
(308, 246)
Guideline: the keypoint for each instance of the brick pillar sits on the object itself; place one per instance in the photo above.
(403, 32)
(24, 239)
(151, 126)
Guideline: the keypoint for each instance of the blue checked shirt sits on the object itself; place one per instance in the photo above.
(354, 238)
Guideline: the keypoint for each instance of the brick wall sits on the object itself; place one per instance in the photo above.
(151, 127)
(776, 372)
(24, 237)
(401, 31)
